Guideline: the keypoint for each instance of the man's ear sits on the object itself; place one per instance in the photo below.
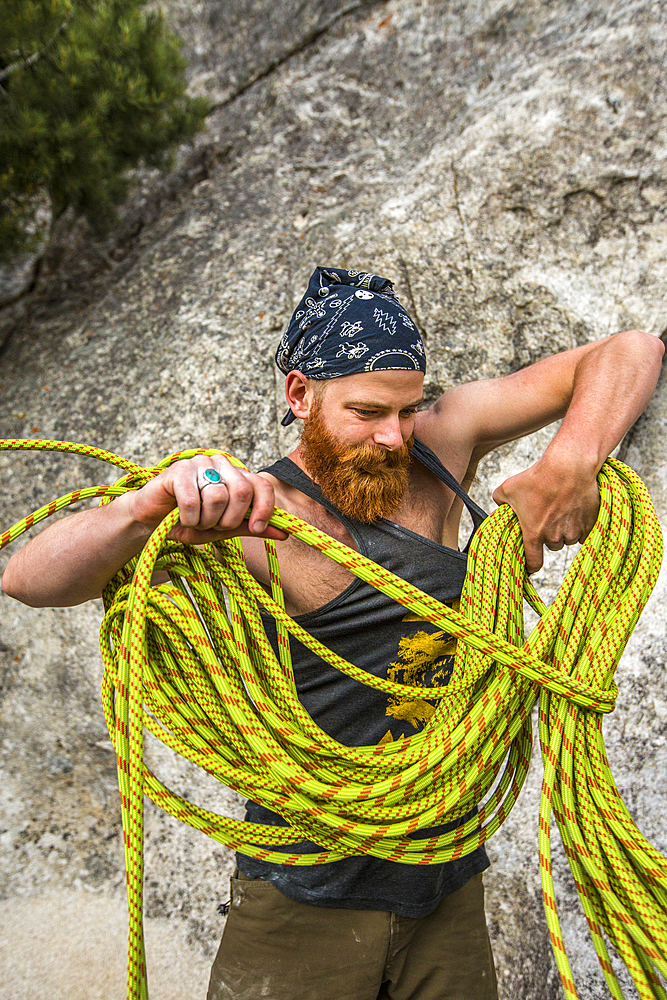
(299, 398)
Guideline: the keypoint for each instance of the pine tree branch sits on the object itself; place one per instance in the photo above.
(35, 57)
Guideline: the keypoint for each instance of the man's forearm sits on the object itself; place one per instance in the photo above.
(612, 386)
(72, 560)
(557, 498)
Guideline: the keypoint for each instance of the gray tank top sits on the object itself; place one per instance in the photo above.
(379, 635)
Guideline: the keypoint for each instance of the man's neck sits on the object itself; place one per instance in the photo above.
(295, 456)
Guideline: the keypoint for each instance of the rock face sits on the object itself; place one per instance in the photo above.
(506, 164)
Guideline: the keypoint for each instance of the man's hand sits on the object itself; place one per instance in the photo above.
(212, 512)
(72, 560)
(556, 503)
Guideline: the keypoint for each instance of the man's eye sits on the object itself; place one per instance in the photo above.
(364, 413)
(410, 412)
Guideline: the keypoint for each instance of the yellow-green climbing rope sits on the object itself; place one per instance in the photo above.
(205, 681)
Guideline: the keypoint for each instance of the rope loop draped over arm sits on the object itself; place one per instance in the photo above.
(189, 661)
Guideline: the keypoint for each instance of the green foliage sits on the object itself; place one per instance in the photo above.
(88, 90)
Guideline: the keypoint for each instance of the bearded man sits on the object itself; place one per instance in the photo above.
(390, 481)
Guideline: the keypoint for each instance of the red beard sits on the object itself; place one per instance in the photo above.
(364, 482)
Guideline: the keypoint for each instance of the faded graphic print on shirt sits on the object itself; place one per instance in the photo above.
(425, 659)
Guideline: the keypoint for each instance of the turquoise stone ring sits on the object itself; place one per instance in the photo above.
(209, 477)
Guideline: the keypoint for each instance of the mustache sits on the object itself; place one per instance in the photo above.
(372, 460)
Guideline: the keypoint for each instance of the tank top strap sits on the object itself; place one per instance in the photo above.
(430, 460)
(289, 472)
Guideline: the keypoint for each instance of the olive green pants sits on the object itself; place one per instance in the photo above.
(276, 949)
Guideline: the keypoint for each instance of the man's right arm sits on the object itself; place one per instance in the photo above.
(72, 560)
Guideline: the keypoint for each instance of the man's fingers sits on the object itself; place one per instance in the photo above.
(532, 548)
(199, 506)
(241, 502)
(588, 527)
(226, 505)
(556, 546)
(554, 509)
(214, 500)
(200, 536)
(205, 505)
(239, 499)
(277, 534)
(263, 505)
(534, 555)
(186, 493)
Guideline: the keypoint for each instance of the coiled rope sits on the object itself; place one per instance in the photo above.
(205, 681)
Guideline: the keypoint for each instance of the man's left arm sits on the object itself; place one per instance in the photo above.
(598, 389)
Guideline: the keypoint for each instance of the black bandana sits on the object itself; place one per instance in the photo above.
(348, 322)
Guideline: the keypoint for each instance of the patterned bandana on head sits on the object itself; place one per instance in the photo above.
(348, 322)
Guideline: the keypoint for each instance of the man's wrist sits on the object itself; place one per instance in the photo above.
(129, 524)
(572, 458)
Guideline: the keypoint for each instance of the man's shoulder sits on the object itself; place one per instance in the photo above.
(446, 440)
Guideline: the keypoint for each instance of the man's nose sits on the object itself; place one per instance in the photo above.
(388, 434)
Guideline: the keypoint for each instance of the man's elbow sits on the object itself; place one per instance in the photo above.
(22, 591)
(19, 585)
(647, 346)
(14, 586)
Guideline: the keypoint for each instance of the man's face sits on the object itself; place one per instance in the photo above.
(356, 438)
